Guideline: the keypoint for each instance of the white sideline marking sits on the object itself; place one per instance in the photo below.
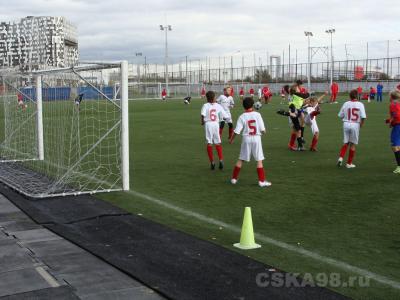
(318, 257)
(46, 276)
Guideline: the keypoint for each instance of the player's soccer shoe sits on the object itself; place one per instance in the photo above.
(233, 181)
(350, 166)
(300, 149)
(212, 166)
(339, 162)
(221, 165)
(264, 183)
(292, 148)
(313, 150)
(397, 170)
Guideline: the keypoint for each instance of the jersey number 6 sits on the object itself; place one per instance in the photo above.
(253, 129)
(213, 115)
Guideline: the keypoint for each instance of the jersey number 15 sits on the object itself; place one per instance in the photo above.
(353, 114)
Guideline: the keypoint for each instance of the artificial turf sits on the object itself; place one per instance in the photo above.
(352, 215)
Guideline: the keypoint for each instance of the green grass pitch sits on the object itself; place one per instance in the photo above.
(349, 215)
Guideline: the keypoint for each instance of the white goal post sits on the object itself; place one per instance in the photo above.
(65, 131)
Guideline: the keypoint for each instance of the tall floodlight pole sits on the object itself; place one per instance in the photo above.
(331, 32)
(138, 65)
(166, 28)
(308, 34)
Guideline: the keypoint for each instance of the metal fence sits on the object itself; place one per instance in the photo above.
(348, 74)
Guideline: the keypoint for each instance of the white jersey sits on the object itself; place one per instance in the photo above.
(226, 102)
(352, 112)
(259, 93)
(312, 122)
(212, 112)
(251, 123)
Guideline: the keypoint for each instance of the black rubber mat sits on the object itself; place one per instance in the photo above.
(176, 264)
(59, 293)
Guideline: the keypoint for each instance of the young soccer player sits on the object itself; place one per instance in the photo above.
(226, 101)
(164, 95)
(252, 125)
(251, 92)
(312, 111)
(353, 115)
(210, 118)
(203, 92)
(267, 94)
(78, 100)
(297, 117)
(394, 121)
(241, 93)
(379, 90)
(21, 104)
(334, 92)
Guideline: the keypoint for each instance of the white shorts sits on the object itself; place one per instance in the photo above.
(351, 132)
(212, 133)
(229, 119)
(251, 145)
(312, 123)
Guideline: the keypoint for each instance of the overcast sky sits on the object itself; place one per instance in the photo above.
(115, 30)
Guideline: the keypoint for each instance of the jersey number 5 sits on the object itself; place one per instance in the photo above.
(213, 115)
(252, 128)
(353, 114)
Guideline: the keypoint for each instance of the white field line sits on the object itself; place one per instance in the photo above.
(267, 240)
(46, 276)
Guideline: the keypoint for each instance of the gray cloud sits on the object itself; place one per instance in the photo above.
(117, 29)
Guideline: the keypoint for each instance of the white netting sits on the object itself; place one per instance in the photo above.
(18, 121)
(81, 133)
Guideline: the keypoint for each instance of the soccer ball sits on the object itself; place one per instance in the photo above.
(258, 105)
(186, 102)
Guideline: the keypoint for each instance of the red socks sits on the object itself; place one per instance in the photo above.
(314, 143)
(261, 174)
(292, 140)
(210, 153)
(219, 151)
(230, 132)
(343, 150)
(236, 172)
(351, 156)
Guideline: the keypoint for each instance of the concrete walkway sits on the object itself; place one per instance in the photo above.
(37, 264)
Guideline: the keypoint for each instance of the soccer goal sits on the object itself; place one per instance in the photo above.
(65, 131)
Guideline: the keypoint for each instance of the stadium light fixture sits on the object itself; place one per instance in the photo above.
(308, 34)
(331, 32)
(166, 28)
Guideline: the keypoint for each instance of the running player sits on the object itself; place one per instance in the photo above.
(353, 115)
(252, 125)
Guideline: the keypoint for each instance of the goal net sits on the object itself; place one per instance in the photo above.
(65, 131)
